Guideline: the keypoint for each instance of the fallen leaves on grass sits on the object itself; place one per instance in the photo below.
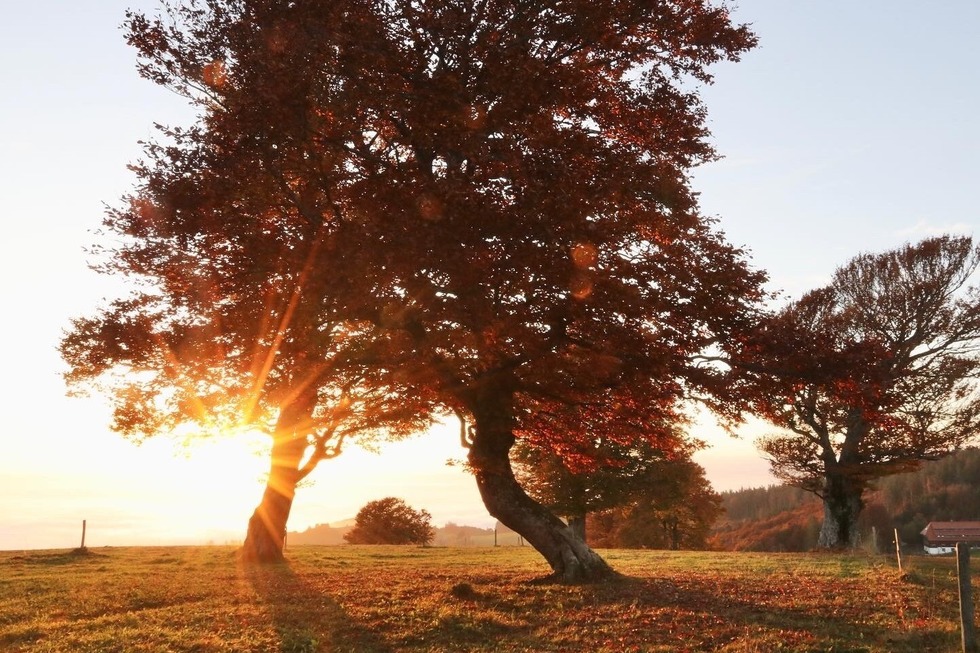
(390, 599)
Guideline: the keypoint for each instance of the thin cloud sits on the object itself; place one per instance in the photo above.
(924, 228)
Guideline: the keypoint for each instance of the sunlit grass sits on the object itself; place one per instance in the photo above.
(385, 599)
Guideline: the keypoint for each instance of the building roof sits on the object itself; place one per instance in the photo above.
(938, 532)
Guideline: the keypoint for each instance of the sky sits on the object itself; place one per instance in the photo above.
(853, 127)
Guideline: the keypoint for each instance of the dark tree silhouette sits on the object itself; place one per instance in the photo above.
(871, 374)
(391, 521)
(491, 199)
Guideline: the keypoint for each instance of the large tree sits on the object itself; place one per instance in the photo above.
(229, 322)
(229, 331)
(871, 374)
(497, 192)
(549, 245)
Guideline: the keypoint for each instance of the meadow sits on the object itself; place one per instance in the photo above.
(373, 599)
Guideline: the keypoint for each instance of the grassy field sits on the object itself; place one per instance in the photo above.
(388, 599)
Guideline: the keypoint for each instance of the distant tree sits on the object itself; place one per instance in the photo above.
(610, 449)
(496, 196)
(871, 374)
(685, 508)
(674, 510)
(390, 521)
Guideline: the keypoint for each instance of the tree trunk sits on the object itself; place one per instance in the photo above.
(842, 504)
(571, 560)
(577, 524)
(267, 527)
(673, 534)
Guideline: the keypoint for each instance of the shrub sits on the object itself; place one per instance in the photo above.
(391, 521)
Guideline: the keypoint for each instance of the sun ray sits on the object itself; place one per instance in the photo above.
(202, 415)
(286, 320)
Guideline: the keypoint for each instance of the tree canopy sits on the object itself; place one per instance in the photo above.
(483, 206)
(872, 374)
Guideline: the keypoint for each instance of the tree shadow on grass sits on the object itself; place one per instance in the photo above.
(462, 610)
(307, 620)
(704, 615)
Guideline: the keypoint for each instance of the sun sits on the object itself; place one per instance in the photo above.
(205, 487)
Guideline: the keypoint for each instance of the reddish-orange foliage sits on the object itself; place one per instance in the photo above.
(491, 197)
(870, 375)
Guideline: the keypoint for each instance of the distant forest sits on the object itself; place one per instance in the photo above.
(783, 518)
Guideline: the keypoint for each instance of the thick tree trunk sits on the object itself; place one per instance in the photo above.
(267, 527)
(571, 560)
(266, 534)
(842, 504)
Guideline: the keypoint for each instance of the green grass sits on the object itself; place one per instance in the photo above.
(394, 599)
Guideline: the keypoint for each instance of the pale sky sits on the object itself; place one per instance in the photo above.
(854, 127)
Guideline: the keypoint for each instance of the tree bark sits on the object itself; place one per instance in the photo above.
(571, 560)
(673, 534)
(577, 524)
(842, 504)
(266, 533)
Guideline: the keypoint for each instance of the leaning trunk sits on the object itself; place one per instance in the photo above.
(266, 534)
(571, 560)
(842, 505)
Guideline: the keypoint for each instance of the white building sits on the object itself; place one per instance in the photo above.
(941, 536)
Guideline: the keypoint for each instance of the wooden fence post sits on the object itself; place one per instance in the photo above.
(83, 535)
(898, 551)
(966, 597)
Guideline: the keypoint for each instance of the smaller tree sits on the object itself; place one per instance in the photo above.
(391, 521)
(612, 449)
(624, 467)
(676, 510)
(870, 375)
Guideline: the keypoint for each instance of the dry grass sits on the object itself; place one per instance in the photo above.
(388, 599)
